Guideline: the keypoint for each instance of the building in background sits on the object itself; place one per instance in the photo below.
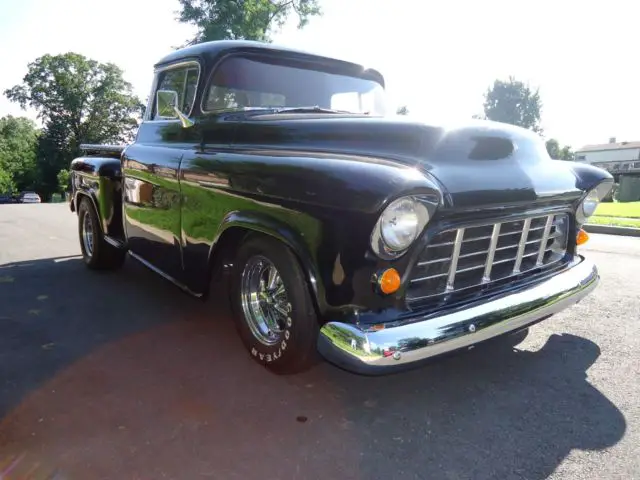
(615, 157)
(622, 160)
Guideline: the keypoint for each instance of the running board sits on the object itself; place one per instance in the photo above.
(165, 275)
(114, 242)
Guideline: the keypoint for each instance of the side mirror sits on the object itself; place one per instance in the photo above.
(166, 103)
(167, 107)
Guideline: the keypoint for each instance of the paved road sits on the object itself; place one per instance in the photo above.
(121, 375)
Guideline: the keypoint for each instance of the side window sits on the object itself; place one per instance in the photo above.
(183, 81)
(191, 85)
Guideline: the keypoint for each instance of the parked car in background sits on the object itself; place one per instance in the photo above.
(7, 198)
(29, 197)
(378, 241)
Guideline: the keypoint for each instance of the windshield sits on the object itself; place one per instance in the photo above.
(241, 82)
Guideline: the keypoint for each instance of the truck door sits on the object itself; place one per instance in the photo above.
(151, 169)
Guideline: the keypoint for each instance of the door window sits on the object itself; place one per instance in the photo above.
(183, 81)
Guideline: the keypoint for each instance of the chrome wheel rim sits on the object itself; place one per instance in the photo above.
(87, 234)
(265, 304)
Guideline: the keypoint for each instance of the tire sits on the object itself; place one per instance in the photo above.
(288, 344)
(96, 252)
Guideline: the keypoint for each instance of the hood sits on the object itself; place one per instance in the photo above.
(478, 163)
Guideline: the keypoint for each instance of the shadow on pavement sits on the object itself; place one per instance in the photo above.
(120, 375)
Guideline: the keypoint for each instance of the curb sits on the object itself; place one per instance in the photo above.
(612, 230)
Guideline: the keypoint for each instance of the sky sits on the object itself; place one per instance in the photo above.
(438, 58)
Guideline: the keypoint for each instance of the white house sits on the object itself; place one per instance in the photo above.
(616, 157)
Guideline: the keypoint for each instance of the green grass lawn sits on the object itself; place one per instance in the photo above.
(616, 209)
(617, 221)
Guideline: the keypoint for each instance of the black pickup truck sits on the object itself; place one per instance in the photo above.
(375, 240)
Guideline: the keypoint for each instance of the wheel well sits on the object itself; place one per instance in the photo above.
(227, 246)
(225, 250)
(113, 227)
(82, 197)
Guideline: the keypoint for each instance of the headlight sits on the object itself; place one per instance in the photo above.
(588, 206)
(399, 225)
(590, 203)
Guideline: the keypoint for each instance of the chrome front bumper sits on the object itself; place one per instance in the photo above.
(370, 351)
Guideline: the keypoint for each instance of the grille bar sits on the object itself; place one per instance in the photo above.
(453, 266)
(488, 264)
(465, 259)
(522, 245)
(545, 237)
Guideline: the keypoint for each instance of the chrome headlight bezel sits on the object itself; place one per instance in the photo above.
(589, 203)
(388, 240)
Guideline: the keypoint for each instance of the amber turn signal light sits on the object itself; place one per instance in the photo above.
(389, 281)
(582, 237)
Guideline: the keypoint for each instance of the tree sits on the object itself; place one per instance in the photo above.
(557, 153)
(553, 148)
(18, 143)
(567, 153)
(243, 19)
(403, 110)
(63, 180)
(79, 100)
(513, 102)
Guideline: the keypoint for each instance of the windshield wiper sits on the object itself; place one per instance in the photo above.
(272, 110)
(311, 109)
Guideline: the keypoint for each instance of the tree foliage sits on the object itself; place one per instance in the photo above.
(403, 110)
(63, 179)
(18, 142)
(553, 148)
(91, 99)
(6, 182)
(567, 153)
(79, 100)
(513, 102)
(243, 19)
(558, 153)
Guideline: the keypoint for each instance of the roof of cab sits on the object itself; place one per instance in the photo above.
(207, 50)
(211, 49)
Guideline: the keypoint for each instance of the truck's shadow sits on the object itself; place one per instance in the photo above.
(107, 375)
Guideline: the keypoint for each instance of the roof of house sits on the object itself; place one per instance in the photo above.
(609, 146)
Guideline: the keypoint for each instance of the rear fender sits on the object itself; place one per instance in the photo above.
(100, 180)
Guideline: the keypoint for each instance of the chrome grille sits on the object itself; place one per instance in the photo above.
(471, 258)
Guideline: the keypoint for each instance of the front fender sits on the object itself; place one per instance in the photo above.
(588, 176)
(297, 239)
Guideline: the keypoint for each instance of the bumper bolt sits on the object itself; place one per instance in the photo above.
(472, 328)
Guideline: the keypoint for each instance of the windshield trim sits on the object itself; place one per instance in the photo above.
(341, 68)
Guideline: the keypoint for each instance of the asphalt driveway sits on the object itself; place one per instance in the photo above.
(121, 375)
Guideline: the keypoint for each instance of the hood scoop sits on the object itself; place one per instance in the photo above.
(491, 148)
